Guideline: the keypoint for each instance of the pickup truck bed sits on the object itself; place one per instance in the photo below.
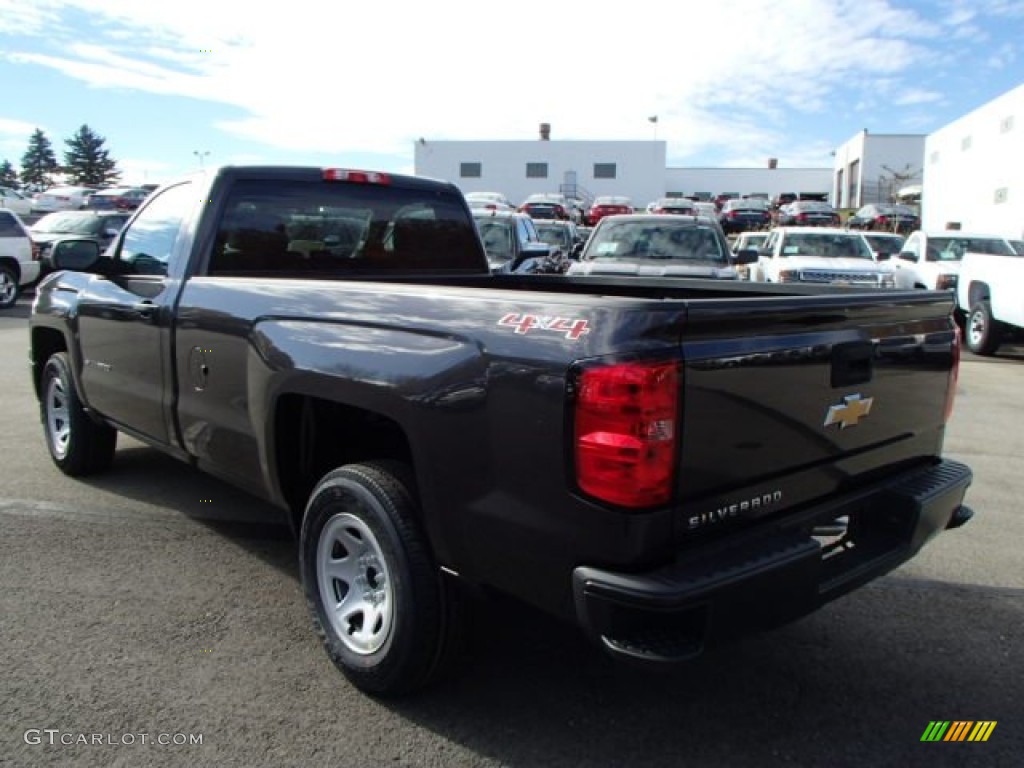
(664, 462)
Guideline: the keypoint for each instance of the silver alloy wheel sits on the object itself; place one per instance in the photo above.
(58, 417)
(976, 329)
(355, 584)
(8, 287)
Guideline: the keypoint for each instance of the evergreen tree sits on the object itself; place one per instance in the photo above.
(87, 161)
(38, 162)
(8, 176)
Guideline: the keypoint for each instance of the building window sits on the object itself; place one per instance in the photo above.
(604, 170)
(1002, 195)
(934, 158)
(965, 143)
(470, 170)
(1006, 125)
(536, 170)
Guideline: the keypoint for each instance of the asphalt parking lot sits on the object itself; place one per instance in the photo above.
(159, 604)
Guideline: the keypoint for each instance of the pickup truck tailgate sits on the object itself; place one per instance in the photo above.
(783, 406)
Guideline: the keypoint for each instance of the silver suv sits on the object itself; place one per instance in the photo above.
(19, 258)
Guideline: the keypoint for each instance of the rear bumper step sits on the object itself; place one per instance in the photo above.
(784, 570)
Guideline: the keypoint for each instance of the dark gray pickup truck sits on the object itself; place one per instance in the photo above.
(665, 462)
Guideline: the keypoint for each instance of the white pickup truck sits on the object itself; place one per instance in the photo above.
(819, 255)
(931, 260)
(991, 289)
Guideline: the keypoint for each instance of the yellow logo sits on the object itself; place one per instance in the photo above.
(849, 412)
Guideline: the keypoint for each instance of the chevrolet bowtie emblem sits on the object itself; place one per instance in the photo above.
(849, 412)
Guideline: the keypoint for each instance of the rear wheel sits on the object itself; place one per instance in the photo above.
(984, 333)
(379, 603)
(9, 289)
(77, 444)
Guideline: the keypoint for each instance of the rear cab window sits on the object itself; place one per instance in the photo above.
(331, 229)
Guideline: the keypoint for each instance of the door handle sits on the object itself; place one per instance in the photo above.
(145, 309)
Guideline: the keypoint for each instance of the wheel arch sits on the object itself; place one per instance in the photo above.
(977, 291)
(45, 343)
(314, 435)
(9, 261)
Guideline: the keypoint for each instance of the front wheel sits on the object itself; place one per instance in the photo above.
(984, 332)
(378, 600)
(77, 444)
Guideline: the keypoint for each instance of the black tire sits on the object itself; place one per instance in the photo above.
(983, 332)
(361, 531)
(9, 288)
(77, 444)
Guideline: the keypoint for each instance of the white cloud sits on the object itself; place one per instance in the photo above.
(17, 128)
(333, 78)
(916, 96)
(1002, 57)
(135, 171)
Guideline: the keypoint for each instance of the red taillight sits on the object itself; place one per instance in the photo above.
(358, 177)
(625, 438)
(801, 217)
(881, 220)
(36, 253)
(954, 374)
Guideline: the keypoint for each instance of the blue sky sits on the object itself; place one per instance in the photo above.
(733, 82)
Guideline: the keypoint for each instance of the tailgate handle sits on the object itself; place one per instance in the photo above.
(852, 363)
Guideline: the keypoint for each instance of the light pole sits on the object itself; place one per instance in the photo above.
(201, 156)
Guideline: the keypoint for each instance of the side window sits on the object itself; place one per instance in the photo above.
(768, 249)
(148, 243)
(9, 226)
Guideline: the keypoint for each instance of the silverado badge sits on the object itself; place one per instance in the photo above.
(849, 412)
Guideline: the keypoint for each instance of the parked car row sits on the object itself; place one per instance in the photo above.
(80, 198)
(24, 251)
(880, 217)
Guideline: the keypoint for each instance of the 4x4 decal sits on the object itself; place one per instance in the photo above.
(573, 328)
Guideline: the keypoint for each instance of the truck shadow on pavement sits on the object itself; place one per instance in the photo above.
(856, 683)
(147, 475)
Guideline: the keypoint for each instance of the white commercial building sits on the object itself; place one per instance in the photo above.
(873, 167)
(586, 169)
(974, 170)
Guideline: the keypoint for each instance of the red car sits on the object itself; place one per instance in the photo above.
(607, 206)
(120, 199)
(545, 207)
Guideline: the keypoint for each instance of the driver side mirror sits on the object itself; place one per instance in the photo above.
(75, 255)
(745, 256)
